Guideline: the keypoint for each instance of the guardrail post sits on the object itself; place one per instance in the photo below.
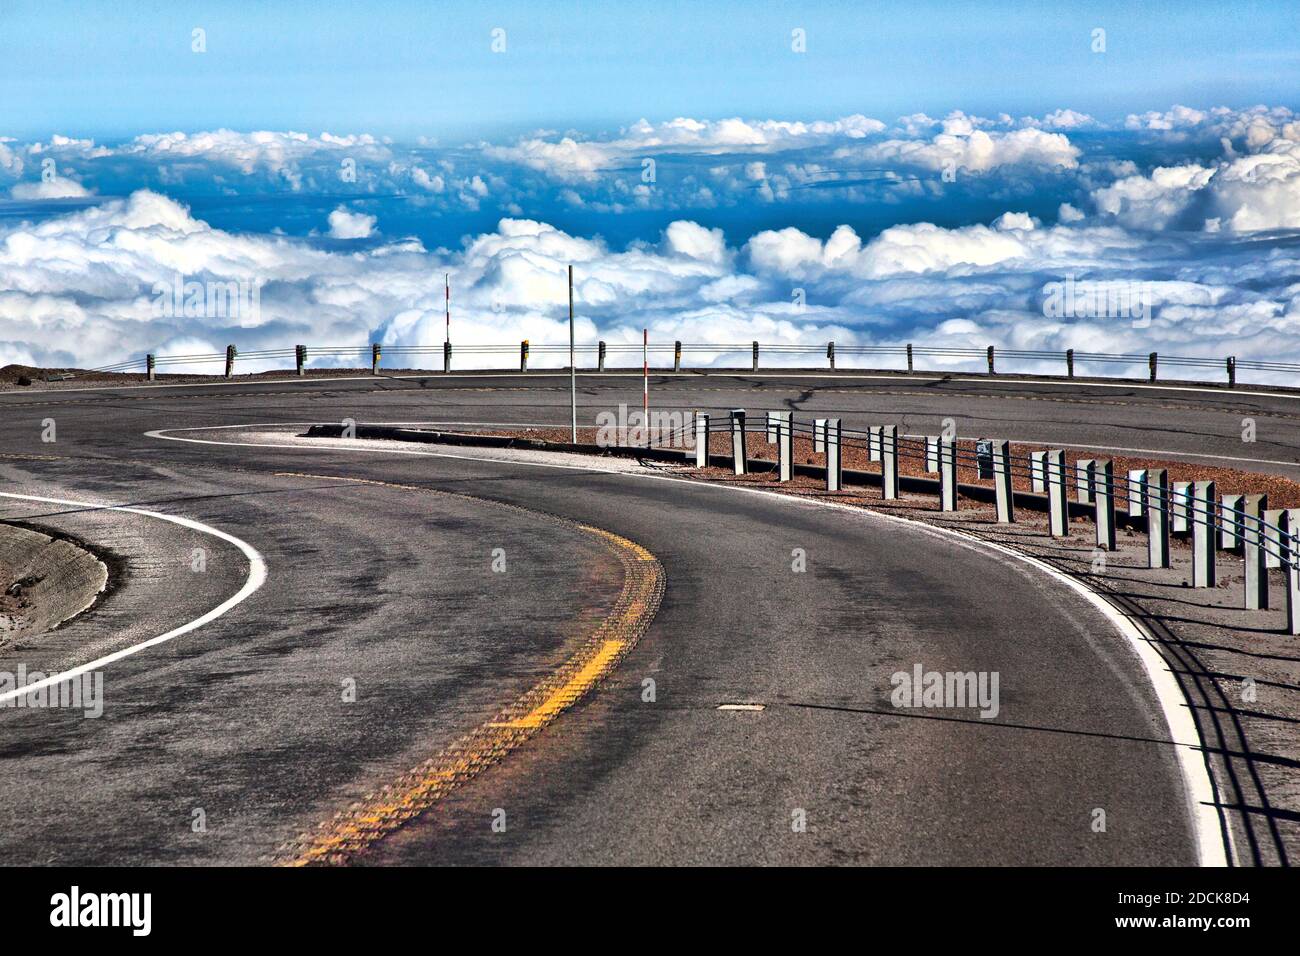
(948, 474)
(1002, 482)
(523, 356)
(1230, 524)
(1151, 361)
(375, 355)
(991, 369)
(1232, 373)
(1272, 558)
(1290, 527)
(785, 445)
(1157, 507)
(1038, 472)
(300, 359)
(1252, 549)
(931, 454)
(738, 440)
(1103, 494)
(755, 356)
(600, 357)
(909, 356)
(1069, 363)
(889, 461)
(1058, 505)
(1180, 507)
(873, 442)
(701, 440)
(830, 354)
(677, 356)
(1204, 570)
(1137, 491)
(1083, 480)
(834, 460)
(230, 360)
(819, 435)
(149, 367)
(446, 356)
(773, 433)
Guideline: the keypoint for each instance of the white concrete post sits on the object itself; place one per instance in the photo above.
(1083, 480)
(931, 454)
(785, 445)
(738, 440)
(1204, 525)
(1157, 509)
(1180, 507)
(1002, 482)
(873, 442)
(1037, 472)
(1291, 528)
(819, 435)
(889, 461)
(1252, 511)
(1058, 504)
(1137, 479)
(1103, 494)
(1272, 547)
(948, 474)
(834, 467)
(1230, 522)
(773, 427)
(701, 440)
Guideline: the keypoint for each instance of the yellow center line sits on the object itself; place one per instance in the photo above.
(352, 831)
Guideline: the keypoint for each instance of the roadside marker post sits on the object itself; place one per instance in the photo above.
(1157, 508)
(1180, 508)
(1230, 522)
(1103, 488)
(1058, 503)
(738, 440)
(889, 461)
(948, 474)
(1204, 528)
(1252, 549)
(1290, 523)
(931, 454)
(701, 440)
(1002, 487)
(834, 464)
(1137, 478)
(1038, 472)
(1272, 555)
(1083, 480)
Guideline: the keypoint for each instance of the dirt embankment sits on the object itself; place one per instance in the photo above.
(43, 582)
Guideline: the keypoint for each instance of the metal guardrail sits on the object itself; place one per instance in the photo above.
(1237, 523)
(907, 356)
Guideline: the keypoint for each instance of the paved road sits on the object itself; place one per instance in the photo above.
(243, 724)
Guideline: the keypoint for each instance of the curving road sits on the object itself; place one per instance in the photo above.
(229, 742)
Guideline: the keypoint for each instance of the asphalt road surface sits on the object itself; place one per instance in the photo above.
(408, 596)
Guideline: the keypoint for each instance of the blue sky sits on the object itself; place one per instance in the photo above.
(408, 68)
(923, 173)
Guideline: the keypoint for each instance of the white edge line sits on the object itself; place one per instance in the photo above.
(1198, 787)
(256, 578)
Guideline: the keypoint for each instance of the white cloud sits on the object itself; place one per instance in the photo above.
(351, 225)
(57, 188)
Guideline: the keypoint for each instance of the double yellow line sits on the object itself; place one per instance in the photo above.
(338, 840)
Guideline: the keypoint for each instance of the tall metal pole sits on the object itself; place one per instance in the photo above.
(573, 372)
(447, 279)
(645, 384)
